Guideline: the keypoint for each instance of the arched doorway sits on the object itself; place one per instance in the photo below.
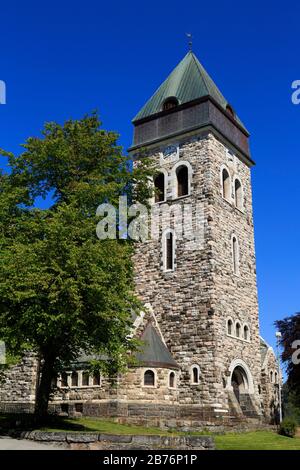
(239, 382)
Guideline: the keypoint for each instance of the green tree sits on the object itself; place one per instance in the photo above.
(62, 290)
(290, 331)
(290, 403)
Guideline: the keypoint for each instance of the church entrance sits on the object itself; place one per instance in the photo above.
(239, 382)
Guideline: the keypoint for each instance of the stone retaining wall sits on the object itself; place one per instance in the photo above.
(181, 417)
(112, 441)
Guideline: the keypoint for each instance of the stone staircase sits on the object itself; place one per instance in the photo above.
(247, 407)
(242, 410)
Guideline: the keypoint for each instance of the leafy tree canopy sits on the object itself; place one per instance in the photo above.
(290, 330)
(62, 290)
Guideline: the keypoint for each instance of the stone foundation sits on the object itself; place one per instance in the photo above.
(182, 417)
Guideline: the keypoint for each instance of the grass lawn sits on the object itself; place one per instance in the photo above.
(100, 426)
(258, 440)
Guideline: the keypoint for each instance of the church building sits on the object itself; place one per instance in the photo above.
(203, 362)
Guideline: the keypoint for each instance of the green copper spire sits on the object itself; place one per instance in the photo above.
(187, 82)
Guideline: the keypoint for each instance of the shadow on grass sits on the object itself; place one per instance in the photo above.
(29, 422)
(18, 423)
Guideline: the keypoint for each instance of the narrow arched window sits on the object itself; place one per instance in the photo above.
(235, 255)
(159, 184)
(225, 184)
(182, 174)
(271, 376)
(229, 327)
(238, 194)
(276, 377)
(96, 378)
(85, 379)
(170, 103)
(64, 379)
(149, 378)
(195, 375)
(74, 379)
(168, 251)
(238, 330)
(246, 333)
(172, 380)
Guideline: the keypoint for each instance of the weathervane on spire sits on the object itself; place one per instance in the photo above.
(190, 38)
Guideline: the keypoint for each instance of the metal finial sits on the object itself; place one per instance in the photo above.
(190, 37)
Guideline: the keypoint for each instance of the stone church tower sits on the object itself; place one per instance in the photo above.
(203, 294)
(203, 362)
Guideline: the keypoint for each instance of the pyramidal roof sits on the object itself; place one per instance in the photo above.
(187, 82)
(154, 352)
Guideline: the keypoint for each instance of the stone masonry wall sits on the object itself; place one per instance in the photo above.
(181, 300)
(234, 295)
(193, 303)
(270, 380)
(17, 390)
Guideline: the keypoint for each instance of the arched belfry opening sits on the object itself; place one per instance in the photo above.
(239, 382)
(170, 103)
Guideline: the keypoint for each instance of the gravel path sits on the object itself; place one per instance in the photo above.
(8, 443)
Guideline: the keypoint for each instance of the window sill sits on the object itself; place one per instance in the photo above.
(240, 339)
(228, 201)
(177, 198)
(80, 387)
(232, 205)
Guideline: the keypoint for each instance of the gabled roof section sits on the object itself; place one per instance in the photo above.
(264, 349)
(154, 353)
(189, 81)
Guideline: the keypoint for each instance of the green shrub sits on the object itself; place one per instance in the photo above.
(288, 427)
(291, 411)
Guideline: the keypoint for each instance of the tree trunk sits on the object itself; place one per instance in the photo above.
(44, 387)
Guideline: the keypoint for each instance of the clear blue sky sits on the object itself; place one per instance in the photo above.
(63, 59)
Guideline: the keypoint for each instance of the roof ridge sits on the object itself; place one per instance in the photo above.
(200, 71)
